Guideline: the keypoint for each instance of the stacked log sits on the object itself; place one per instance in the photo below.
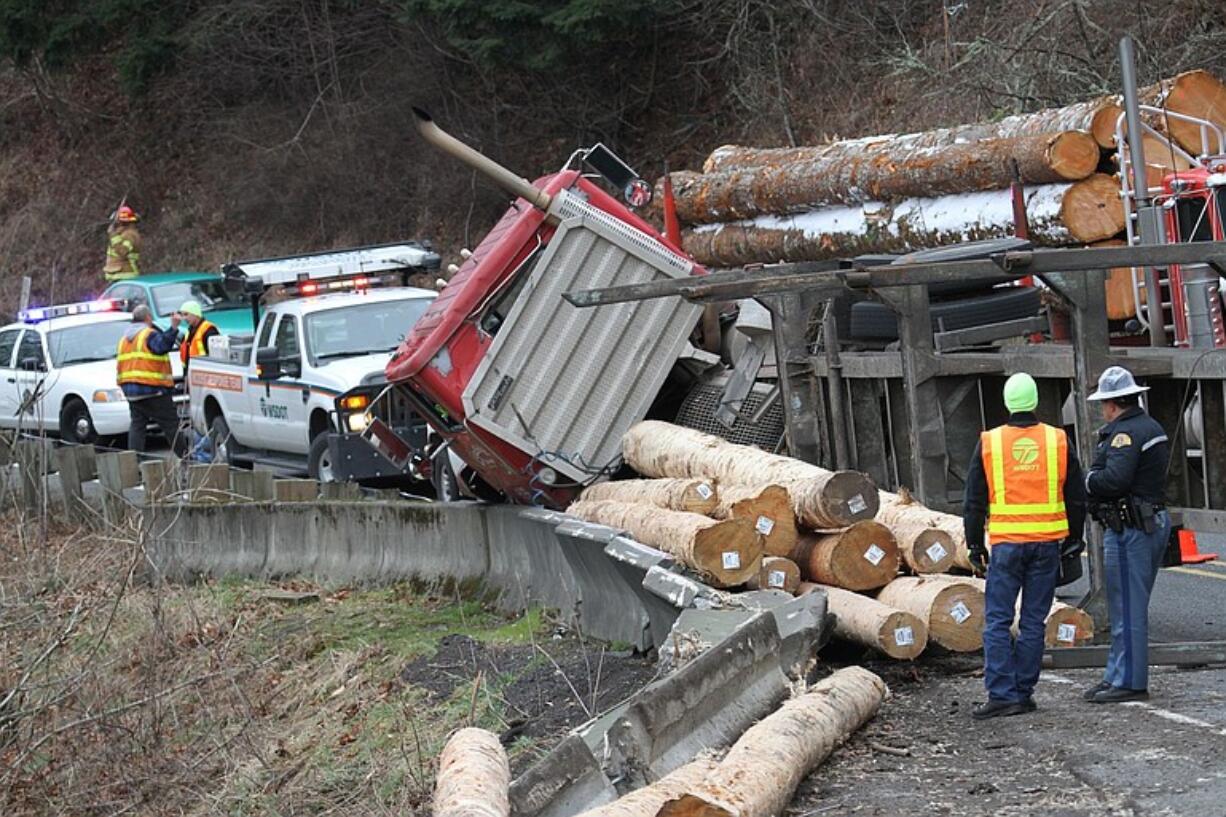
(474, 776)
(725, 553)
(689, 495)
(1064, 626)
(863, 556)
(769, 508)
(866, 621)
(820, 498)
(925, 548)
(776, 573)
(901, 509)
(951, 609)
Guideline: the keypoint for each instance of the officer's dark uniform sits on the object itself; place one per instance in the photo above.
(1126, 488)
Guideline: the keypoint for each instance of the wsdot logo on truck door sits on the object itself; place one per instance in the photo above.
(273, 411)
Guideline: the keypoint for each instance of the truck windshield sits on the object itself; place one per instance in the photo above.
(85, 344)
(362, 329)
(210, 294)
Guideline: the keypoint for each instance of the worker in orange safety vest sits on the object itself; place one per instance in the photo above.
(1025, 480)
(199, 330)
(142, 368)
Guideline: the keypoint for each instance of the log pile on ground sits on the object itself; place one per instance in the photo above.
(1064, 626)
(868, 622)
(690, 495)
(924, 545)
(769, 508)
(863, 556)
(474, 776)
(951, 608)
(903, 192)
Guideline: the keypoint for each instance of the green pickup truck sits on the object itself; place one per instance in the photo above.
(165, 292)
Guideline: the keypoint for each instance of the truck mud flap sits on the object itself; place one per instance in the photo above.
(609, 608)
(527, 565)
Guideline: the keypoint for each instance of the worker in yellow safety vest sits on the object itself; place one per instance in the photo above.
(122, 246)
(143, 370)
(199, 330)
(1024, 478)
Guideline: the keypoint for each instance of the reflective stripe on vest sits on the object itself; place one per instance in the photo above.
(1026, 469)
(135, 363)
(193, 346)
(131, 257)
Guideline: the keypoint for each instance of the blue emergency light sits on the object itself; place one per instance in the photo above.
(44, 313)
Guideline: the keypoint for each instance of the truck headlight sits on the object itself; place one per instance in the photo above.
(357, 423)
(109, 396)
(548, 476)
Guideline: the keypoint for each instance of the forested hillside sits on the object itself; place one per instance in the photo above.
(248, 127)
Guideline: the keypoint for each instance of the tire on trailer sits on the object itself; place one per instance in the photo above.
(76, 425)
(319, 460)
(871, 320)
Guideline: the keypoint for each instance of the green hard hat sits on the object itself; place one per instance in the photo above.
(191, 308)
(1021, 393)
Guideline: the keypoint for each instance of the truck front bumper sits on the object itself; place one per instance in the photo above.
(354, 458)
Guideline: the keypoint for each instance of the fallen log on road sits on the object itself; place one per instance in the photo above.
(861, 557)
(951, 609)
(646, 801)
(768, 508)
(473, 776)
(761, 771)
(689, 495)
(725, 553)
(868, 622)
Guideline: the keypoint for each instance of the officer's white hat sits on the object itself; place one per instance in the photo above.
(1115, 382)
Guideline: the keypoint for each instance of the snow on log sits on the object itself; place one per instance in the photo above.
(885, 168)
(691, 495)
(646, 801)
(925, 548)
(776, 573)
(902, 508)
(725, 553)
(868, 622)
(473, 776)
(951, 608)
(1059, 215)
(769, 508)
(1064, 626)
(762, 769)
(861, 557)
(820, 498)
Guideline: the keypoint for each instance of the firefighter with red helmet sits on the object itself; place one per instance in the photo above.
(122, 246)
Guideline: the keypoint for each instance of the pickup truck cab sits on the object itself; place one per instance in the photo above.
(57, 371)
(269, 399)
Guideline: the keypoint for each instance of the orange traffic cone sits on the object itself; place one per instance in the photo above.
(1189, 554)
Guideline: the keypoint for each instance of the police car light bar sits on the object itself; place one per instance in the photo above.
(45, 313)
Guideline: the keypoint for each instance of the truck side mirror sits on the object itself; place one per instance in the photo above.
(268, 363)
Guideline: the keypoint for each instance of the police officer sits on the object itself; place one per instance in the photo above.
(1025, 478)
(1126, 488)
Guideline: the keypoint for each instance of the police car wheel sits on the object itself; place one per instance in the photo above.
(319, 461)
(76, 426)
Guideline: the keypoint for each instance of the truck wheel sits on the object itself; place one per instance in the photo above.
(319, 461)
(223, 445)
(76, 426)
(443, 478)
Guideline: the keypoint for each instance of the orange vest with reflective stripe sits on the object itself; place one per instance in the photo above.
(136, 364)
(194, 345)
(1026, 468)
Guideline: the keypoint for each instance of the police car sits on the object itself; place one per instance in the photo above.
(57, 371)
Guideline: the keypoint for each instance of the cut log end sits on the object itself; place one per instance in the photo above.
(956, 621)
(729, 552)
(847, 497)
(768, 509)
(1092, 210)
(862, 557)
(776, 573)
(1068, 626)
(692, 805)
(1102, 124)
(1073, 155)
(932, 551)
(902, 636)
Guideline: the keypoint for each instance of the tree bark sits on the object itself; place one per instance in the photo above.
(473, 776)
(951, 609)
(879, 169)
(699, 496)
(777, 573)
(870, 623)
(820, 498)
(762, 769)
(924, 547)
(1059, 215)
(725, 553)
(861, 557)
(645, 802)
(902, 508)
(769, 509)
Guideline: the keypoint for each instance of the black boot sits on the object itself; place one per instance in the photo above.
(1118, 695)
(997, 709)
(1101, 686)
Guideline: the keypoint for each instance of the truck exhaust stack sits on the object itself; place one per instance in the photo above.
(516, 185)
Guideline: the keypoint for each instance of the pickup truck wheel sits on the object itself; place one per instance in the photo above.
(319, 461)
(219, 430)
(76, 426)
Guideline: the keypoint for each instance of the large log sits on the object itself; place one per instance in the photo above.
(878, 169)
(646, 801)
(769, 508)
(725, 553)
(776, 573)
(925, 548)
(689, 495)
(1064, 626)
(762, 769)
(861, 557)
(473, 776)
(952, 609)
(1059, 215)
(820, 498)
(902, 506)
(1193, 93)
(870, 623)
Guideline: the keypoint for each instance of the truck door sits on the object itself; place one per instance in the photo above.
(280, 411)
(10, 395)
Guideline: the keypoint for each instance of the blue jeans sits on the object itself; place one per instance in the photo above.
(1132, 559)
(1011, 665)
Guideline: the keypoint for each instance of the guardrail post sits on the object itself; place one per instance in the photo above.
(159, 479)
(297, 490)
(209, 482)
(33, 457)
(76, 465)
(340, 491)
(255, 486)
(117, 471)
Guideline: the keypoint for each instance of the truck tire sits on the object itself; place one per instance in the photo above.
(443, 478)
(223, 443)
(871, 320)
(76, 426)
(319, 460)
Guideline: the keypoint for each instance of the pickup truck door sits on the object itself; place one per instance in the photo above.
(280, 410)
(10, 395)
(32, 383)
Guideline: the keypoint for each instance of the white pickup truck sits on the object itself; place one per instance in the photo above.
(270, 399)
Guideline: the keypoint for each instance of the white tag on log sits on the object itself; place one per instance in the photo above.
(935, 552)
(732, 560)
(904, 636)
(765, 525)
(1067, 633)
(960, 613)
(857, 504)
(776, 578)
(704, 490)
(874, 555)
